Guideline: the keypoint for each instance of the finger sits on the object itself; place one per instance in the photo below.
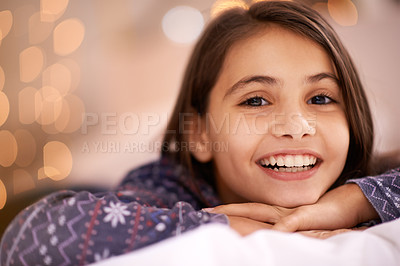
(290, 223)
(324, 234)
(256, 211)
(245, 226)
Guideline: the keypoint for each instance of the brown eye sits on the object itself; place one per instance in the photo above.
(255, 101)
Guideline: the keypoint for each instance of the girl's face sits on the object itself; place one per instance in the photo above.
(278, 114)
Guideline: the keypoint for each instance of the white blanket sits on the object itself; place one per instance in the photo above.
(217, 244)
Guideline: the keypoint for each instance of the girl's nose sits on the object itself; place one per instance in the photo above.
(293, 125)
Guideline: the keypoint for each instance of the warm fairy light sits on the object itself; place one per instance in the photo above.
(57, 160)
(64, 117)
(38, 29)
(3, 195)
(68, 36)
(4, 108)
(30, 63)
(6, 21)
(26, 147)
(22, 181)
(29, 105)
(71, 115)
(344, 12)
(221, 5)
(51, 10)
(9, 148)
(2, 78)
(182, 24)
(57, 76)
(50, 129)
(41, 175)
(50, 101)
(74, 70)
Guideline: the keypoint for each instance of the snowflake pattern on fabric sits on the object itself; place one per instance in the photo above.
(116, 213)
(153, 202)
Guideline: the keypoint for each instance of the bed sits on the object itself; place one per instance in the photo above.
(217, 244)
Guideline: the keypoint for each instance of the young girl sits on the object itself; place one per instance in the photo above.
(270, 117)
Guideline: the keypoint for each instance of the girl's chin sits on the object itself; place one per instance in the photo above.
(292, 202)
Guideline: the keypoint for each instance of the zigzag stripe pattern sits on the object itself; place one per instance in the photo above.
(70, 225)
(383, 192)
(384, 202)
(69, 228)
(35, 244)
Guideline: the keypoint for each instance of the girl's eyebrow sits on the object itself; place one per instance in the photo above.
(274, 81)
(320, 76)
(252, 79)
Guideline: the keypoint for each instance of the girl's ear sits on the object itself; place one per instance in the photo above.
(199, 141)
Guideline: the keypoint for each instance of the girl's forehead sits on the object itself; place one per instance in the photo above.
(276, 47)
(273, 36)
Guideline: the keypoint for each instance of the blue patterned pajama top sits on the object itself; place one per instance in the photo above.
(153, 202)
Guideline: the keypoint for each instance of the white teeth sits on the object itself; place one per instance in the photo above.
(272, 160)
(291, 169)
(280, 161)
(306, 160)
(313, 160)
(298, 160)
(290, 161)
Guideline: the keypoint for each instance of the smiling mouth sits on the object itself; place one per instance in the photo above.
(289, 163)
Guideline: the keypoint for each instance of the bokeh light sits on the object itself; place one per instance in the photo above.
(9, 148)
(57, 160)
(29, 105)
(6, 21)
(182, 24)
(3, 195)
(71, 115)
(343, 12)
(26, 147)
(57, 76)
(22, 181)
(75, 72)
(68, 36)
(4, 108)
(2, 78)
(39, 30)
(51, 10)
(49, 102)
(221, 5)
(31, 62)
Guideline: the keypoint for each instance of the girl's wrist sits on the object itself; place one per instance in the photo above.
(359, 204)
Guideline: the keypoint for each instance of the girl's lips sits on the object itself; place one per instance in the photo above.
(291, 176)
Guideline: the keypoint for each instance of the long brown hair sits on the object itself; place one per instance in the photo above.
(237, 24)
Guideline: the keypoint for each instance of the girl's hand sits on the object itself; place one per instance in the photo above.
(324, 234)
(343, 207)
(245, 226)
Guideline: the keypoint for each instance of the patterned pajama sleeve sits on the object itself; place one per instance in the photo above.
(383, 192)
(70, 228)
